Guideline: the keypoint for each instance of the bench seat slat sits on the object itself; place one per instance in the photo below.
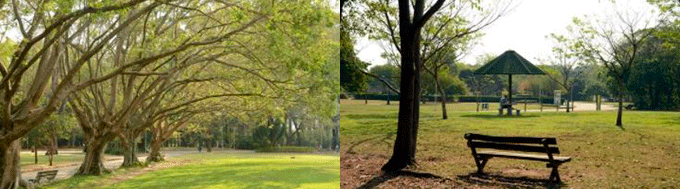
(536, 157)
(516, 147)
(534, 140)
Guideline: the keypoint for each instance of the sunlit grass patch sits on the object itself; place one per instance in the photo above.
(230, 170)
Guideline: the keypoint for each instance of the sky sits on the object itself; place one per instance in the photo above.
(524, 29)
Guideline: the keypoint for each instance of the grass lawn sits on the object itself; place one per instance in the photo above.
(226, 170)
(29, 158)
(645, 154)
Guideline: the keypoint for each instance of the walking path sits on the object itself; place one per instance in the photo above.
(110, 163)
(580, 107)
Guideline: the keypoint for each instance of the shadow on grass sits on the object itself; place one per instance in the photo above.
(488, 116)
(508, 182)
(386, 176)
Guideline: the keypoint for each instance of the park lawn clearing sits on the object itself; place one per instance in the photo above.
(65, 158)
(28, 159)
(220, 169)
(642, 155)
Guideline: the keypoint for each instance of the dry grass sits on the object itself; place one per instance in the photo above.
(644, 154)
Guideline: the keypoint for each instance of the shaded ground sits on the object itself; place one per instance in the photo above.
(363, 171)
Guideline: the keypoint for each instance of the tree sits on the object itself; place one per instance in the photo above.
(446, 38)
(565, 58)
(653, 82)
(45, 36)
(411, 67)
(385, 78)
(615, 43)
(351, 77)
(404, 37)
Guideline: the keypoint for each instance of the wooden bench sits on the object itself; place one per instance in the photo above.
(542, 148)
(41, 176)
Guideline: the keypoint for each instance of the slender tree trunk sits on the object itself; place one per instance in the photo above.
(93, 163)
(35, 153)
(52, 147)
(10, 168)
(619, 114)
(443, 98)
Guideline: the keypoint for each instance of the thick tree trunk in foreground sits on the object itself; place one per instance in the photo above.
(411, 65)
(405, 143)
(93, 163)
(10, 168)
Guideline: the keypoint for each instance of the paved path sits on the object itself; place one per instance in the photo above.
(581, 106)
(113, 162)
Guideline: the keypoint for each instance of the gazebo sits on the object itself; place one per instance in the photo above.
(509, 63)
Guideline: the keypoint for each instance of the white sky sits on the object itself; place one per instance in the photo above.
(523, 29)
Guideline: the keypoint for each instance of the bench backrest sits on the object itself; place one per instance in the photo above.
(525, 144)
(49, 175)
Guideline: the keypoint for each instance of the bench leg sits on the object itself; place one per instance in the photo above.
(481, 162)
(554, 175)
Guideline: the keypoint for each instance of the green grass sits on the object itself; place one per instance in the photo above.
(29, 158)
(646, 154)
(228, 170)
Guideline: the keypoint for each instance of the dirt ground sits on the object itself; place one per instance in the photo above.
(363, 171)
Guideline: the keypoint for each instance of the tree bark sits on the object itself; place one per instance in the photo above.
(10, 168)
(130, 158)
(443, 98)
(620, 112)
(93, 163)
(404, 145)
(155, 154)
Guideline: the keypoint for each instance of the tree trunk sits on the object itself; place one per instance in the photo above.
(443, 98)
(208, 145)
(130, 157)
(93, 162)
(52, 147)
(568, 101)
(155, 154)
(620, 112)
(10, 167)
(403, 154)
(35, 152)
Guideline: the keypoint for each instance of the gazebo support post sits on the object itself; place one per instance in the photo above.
(510, 94)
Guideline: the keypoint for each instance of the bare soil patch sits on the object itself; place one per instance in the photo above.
(363, 171)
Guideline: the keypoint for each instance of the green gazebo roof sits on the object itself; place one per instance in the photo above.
(509, 63)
